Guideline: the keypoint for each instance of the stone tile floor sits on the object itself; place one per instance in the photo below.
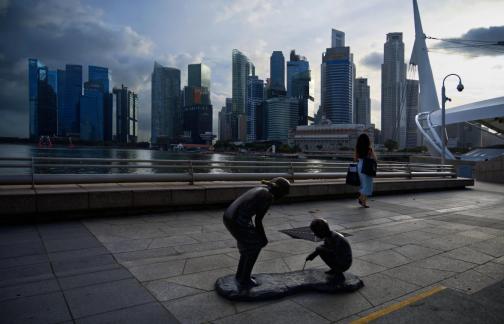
(161, 268)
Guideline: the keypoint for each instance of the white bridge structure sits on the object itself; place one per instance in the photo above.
(489, 113)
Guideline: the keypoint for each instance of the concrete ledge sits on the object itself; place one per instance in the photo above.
(152, 197)
(96, 199)
(110, 199)
(18, 202)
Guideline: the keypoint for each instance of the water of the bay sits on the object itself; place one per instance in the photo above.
(29, 151)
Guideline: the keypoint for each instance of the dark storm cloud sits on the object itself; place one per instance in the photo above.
(59, 33)
(373, 60)
(476, 42)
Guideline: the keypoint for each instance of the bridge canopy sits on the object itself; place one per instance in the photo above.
(487, 112)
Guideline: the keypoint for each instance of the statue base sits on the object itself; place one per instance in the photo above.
(278, 285)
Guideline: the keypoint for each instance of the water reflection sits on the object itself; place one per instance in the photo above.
(28, 151)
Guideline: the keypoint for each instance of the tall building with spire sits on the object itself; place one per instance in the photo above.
(337, 78)
(393, 90)
(166, 116)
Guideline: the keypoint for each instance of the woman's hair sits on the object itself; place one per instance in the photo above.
(362, 147)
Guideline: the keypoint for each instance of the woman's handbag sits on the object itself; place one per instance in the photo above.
(369, 167)
(352, 176)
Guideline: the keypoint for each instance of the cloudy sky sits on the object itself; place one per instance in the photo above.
(127, 36)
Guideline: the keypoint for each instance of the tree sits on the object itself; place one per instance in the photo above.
(391, 145)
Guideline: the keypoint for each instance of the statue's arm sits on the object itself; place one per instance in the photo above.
(312, 255)
(262, 209)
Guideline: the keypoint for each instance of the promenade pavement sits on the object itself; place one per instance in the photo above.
(161, 268)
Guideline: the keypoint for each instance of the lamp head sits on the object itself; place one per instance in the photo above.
(460, 87)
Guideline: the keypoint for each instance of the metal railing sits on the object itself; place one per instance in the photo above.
(55, 170)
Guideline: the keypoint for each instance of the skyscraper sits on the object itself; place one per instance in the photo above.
(362, 104)
(42, 100)
(277, 71)
(166, 122)
(393, 89)
(198, 75)
(298, 84)
(225, 122)
(101, 75)
(255, 96)
(297, 64)
(60, 98)
(281, 117)
(412, 135)
(92, 112)
(126, 115)
(336, 90)
(242, 68)
(197, 107)
(69, 115)
(337, 38)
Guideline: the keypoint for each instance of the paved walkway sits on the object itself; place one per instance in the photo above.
(161, 268)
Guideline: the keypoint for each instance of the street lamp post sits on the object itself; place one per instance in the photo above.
(444, 99)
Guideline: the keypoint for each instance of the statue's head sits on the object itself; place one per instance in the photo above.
(320, 228)
(279, 187)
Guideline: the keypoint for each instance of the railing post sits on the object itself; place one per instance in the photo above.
(33, 173)
(191, 172)
(408, 169)
(292, 172)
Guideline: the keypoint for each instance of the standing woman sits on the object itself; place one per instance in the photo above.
(363, 150)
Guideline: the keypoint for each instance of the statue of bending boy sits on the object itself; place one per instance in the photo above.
(335, 251)
(250, 235)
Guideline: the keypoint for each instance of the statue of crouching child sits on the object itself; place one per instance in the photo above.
(335, 251)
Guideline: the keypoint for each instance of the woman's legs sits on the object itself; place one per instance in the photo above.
(363, 200)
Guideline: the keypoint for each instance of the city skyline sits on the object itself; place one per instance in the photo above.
(128, 47)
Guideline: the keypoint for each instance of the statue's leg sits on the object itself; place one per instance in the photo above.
(331, 262)
(245, 266)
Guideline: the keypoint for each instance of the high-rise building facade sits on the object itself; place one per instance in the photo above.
(101, 75)
(362, 103)
(126, 110)
(336, 89)
(277, 71)
(166, 115)
(298, 84)
(242, 68)
(296, 64)
(412, 135)
(92, 112)
(60, 97)
(393, 89)
(197, 107)
(255, 96)
(198, 75)
(68, 117)
(225, 121)
(42, 100)
(281, 117)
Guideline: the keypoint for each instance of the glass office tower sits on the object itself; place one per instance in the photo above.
(69, 114)
(42, 100)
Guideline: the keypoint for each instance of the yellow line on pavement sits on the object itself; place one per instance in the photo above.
(394, 307)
